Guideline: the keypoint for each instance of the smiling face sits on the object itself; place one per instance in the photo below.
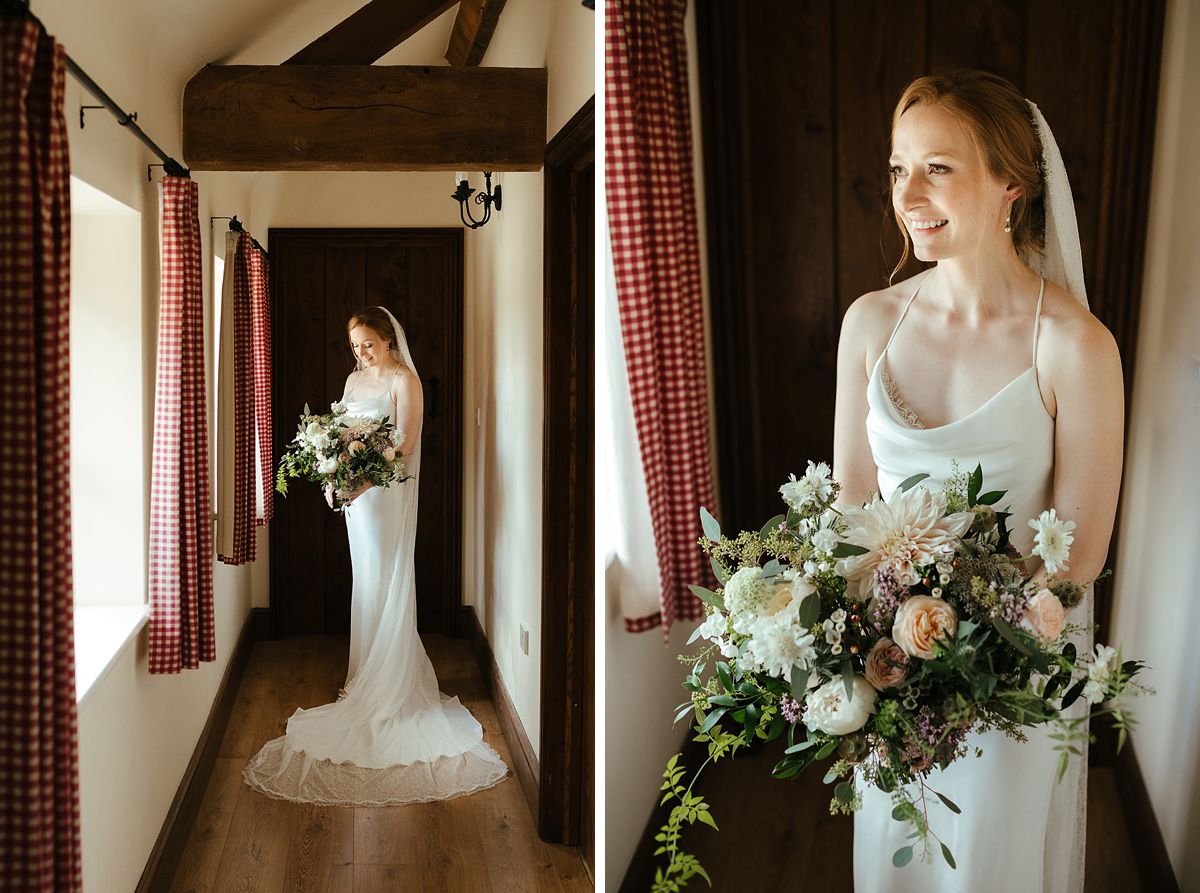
(947, 199)
(370, 349)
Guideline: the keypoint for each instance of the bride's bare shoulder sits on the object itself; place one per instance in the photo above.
(870, 319)
(1071, 337)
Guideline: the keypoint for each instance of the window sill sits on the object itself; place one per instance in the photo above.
(102, 632)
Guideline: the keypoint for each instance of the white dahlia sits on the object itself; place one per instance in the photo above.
(909, 532)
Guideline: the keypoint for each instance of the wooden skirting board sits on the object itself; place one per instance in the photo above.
(525, 762)
(173, 838)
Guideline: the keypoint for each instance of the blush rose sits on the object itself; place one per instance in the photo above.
(920, 622)
(886, 665)
(1044, 616)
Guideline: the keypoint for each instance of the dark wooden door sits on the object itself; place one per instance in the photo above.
(319, 277)
(566, 793)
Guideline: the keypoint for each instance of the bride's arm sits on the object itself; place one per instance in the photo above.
(853, 464)
(409, 409)
(1084, 368)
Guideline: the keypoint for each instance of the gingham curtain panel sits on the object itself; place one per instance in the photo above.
(181, 597)
(39, 786)
(656, 262)
(253, 504)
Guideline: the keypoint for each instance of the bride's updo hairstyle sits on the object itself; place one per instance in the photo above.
(377, 321)
(1000, 124)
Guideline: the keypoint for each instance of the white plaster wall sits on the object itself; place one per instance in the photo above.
(1157, 606)
(137, 732)
(642, 662)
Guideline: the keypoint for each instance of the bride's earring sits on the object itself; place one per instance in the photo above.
(1008, 220)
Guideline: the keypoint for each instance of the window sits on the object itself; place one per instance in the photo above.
(109, 428)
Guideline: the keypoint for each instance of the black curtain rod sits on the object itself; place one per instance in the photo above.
(235, 226)
(15, 8)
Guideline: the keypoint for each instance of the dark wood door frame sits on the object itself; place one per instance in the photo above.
(449, 398)
(569, 458)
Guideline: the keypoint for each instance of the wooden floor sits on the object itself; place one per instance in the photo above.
(779, 835)
(245, 841)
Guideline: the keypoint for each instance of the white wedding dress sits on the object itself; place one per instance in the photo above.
(394, 738)
(1020, 830)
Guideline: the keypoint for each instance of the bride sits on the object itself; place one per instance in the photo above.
(391, 737)
(990, 357)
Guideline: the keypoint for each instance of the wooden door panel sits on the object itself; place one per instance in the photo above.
(321, 277)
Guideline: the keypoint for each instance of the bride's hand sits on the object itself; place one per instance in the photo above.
(354, 494)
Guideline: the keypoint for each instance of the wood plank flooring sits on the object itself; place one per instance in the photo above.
(779, 835)
(246, 842)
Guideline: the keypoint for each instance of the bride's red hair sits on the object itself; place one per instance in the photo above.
(1000, 123)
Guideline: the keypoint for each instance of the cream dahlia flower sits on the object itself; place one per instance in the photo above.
(908, 532)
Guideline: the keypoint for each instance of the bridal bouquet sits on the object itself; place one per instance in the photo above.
(880, 637)
(343, 452)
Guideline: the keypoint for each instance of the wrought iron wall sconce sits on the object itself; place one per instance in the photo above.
(489, 198)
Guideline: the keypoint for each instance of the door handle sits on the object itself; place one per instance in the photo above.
(435, 397)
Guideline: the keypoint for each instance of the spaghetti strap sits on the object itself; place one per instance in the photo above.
(1037, 319)
(904, 313)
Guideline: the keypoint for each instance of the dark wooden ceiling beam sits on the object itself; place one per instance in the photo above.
(364, 117)
(371, 33)
(473, 30)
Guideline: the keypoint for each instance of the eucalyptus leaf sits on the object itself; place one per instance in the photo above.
(712, 529)
(907, 484)
(772, 569)
(900, 812)
(848, 677)
(707, 596)
(844, 792)
(809, 610)
(950, 804)
(771, 526)
(848, 550)
(718, 570)
(949, 857)
(800, 681)
(695, 635)
(828, 748)
(902, 856)
(991, 497)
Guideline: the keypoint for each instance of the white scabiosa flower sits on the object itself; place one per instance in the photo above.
(813, 489)
(1100, 673)
(777, 643)
(825, 540)
(1053, 540)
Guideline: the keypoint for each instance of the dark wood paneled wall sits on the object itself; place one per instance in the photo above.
(796, 104)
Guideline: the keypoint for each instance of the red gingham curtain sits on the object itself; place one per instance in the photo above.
(181, 598)
(39, 785)
(656, 261)
(252, 472)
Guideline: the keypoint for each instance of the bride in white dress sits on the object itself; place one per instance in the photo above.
(991, 357)
(392, 737)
